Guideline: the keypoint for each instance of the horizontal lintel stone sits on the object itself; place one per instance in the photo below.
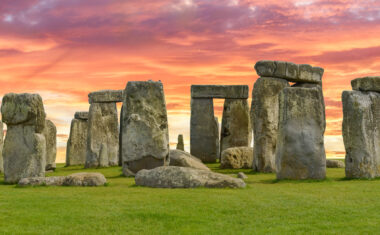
(366, 84)
(81, 115)
(220, 91)
(105, 96)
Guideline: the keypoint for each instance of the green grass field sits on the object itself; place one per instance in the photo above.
(334, 205)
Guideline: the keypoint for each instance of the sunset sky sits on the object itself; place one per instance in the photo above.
(64, 49)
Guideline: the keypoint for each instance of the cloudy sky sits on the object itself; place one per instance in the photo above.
(64, 49)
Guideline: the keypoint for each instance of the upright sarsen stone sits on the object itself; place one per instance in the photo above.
(204, 137)
(77, 142)
(1, 146)
(180, 144)
(103, 135)
(361, 133)
(236, 129)
(145, 137)
(50, 134)
(300, 152)
(265, 115)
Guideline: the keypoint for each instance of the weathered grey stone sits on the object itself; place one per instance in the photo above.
(50, 134)
(24, 153)
(236, 128)
(122, 126)
(366, 84)
(237, 158)
(180, 144)
(361, 133)
(204, 133)
(145, 133)
(220, 91)
(26, 109)
(1, 147)
(300, 152)
(216, 133)
(76, 179)
(45, 181)
(241, 175)
(103, 135)
(81, 115)
(289, 71)
(184, 159)
(185, 177)
(77, 143)
(105, 96)
(334, 163)
(265, 114)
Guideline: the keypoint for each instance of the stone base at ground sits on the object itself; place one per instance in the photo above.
(185, 177)
(77, 179)
(237, 158)
(184, 159)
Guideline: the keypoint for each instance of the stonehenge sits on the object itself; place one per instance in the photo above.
(145, 137)
(361, 128)
(24, 153)
(50, 134)
(1, 146)
(77, 142)
(204, 132)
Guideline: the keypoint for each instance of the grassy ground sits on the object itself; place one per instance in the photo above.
(335, 205)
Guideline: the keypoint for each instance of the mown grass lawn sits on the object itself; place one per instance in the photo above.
(335, 206)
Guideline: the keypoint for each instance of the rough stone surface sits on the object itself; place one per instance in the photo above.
(145, 132)
(46, 181)
(366, 84)
(236, 128)
(265, 114)
(237, 158)
(77, 143)
(204, 133)
(26, 109)
(81, 115)
(289, 71)
(122, 125)
(185, 177)
(50, 134)
(180, 144)
(300, 152)
(334, 163)
(241, 175)
(105, 96)
(1, 146)
(24, 153)
(76, 179)
(220, 91)
(361, 133)
(103, 135)
(184, 159)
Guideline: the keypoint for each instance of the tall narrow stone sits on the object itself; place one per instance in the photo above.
(103, 135)
(361, 133)
(77, 142)
(204, 137)
(145, 137)
(121, 135)
(50, 133)
(300, 152)
(1, 147)
(24, 152)
(236, 129)
(265, 115)
(180, 144)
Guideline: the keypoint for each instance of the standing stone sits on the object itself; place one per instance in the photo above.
(237, 158)
(300, 152)
(103, 135)
(50, 134)
(216, 133)
(145, 132)
(121, 135)
(24, 152)
(204, 133)
(180, 144)
(361, 133)
(265, 115)
(77, 142)
(1, 146)
(236, 129)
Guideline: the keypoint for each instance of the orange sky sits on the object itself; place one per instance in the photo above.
(68, 48)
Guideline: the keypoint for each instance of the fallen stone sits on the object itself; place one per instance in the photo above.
(204, 132)
(180, 144)
(103, 136)
(81, 115)
(334, 163)
(184, 159)
(300, 152)
(366, 84)
(145, 134)
(1, 147)
(77, 143)
(236, 128)
(220, 91)
(361, 133)
(42, 181)
(76, 179)
(237, 158)
(241, 175)
(105, 96)
(265, 114)
(185, 177)
(50, 134)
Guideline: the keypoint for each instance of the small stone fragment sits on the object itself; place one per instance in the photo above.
(241, 175)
